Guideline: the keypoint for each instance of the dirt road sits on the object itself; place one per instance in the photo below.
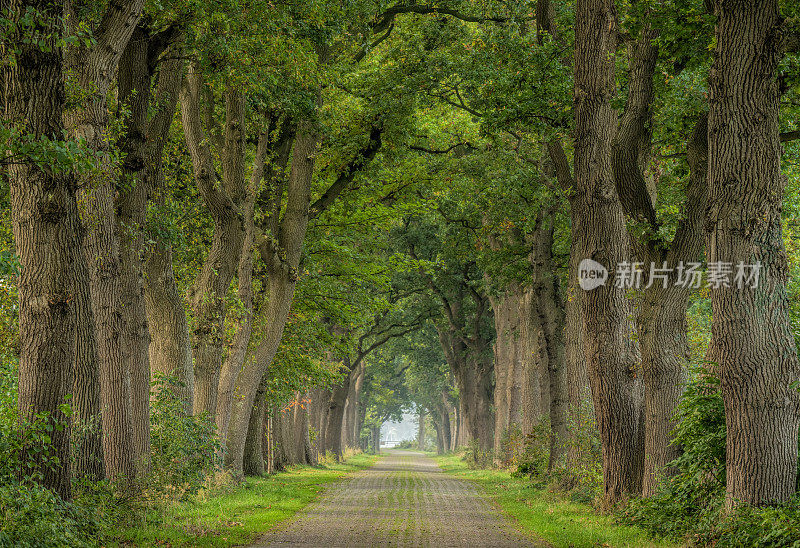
(404, 500)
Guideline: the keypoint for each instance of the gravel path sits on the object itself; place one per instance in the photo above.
(403, 500)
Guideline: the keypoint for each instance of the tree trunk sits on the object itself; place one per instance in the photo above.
(87, 431)
(224, 202)
(376, 439)
(533, 349)
(751, 332)
(134, 93)
(445, 425)
(47, 238)
(662, 323)
(551, 317)
(279, 457)
(421, 430)
(300, 428)
(281, 283)
(117, 338)
(474, 380)
(237, 354)
(506, 316)
(170, 350)
(437, 426)
(253, 464)
(610, 349)
(579, 393)
(335, 415)
(351, 409)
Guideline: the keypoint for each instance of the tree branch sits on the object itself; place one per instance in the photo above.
(343, 181)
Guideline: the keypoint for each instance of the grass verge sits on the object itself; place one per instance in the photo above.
(550, 516)
(238, 515)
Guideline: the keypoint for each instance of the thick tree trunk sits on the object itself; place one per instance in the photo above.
(253, 464)
(551, 317)
(334, 422)
(445, 425)
(335, 415)
(117, 339)
(47, 237)
(351, 409)
(281, 282)
(87, 431)
(170, 349)
(662, 323)
(224, 202)
(321, 420)
(506, 324)
(474, 380)
(376, 439)
(279, 457)
(751, 332)
(237, 353)
(578, 389)
(304, 450)
(532, 348)
(611, 353)
(170, 352)
(134, 93)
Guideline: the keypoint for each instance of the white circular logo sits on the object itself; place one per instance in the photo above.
(591, 274)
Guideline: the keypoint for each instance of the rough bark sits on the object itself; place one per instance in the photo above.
(611, 353)
(281, 281)
(352, 428)
(47, 236)
(94, 69)
(335, 416)
(279, 457)
(549, 307)
(134, 92)
(506, 357)
(87, 431)
(253, 463)
(224, 200)
(237, 353)
(169, 351)
(532, 349)
(750, 329)
(661, 322)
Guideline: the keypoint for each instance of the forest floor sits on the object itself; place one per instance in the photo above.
(237, 515)
(403, 500)
(552, 516)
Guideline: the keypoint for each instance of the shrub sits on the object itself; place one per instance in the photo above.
(31, 515)
(692, 500)
(512, 447)
(533, 459)
(183, 447)
(477, 458)
(691, 504)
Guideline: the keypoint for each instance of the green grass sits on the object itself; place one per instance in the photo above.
(240, 515)
(547, 515)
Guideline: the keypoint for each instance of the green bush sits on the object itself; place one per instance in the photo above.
(692, 500)
(532, 461)
(476, 458)
(512, 447)
(31, 515)
(691, 505)
(184, 448)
